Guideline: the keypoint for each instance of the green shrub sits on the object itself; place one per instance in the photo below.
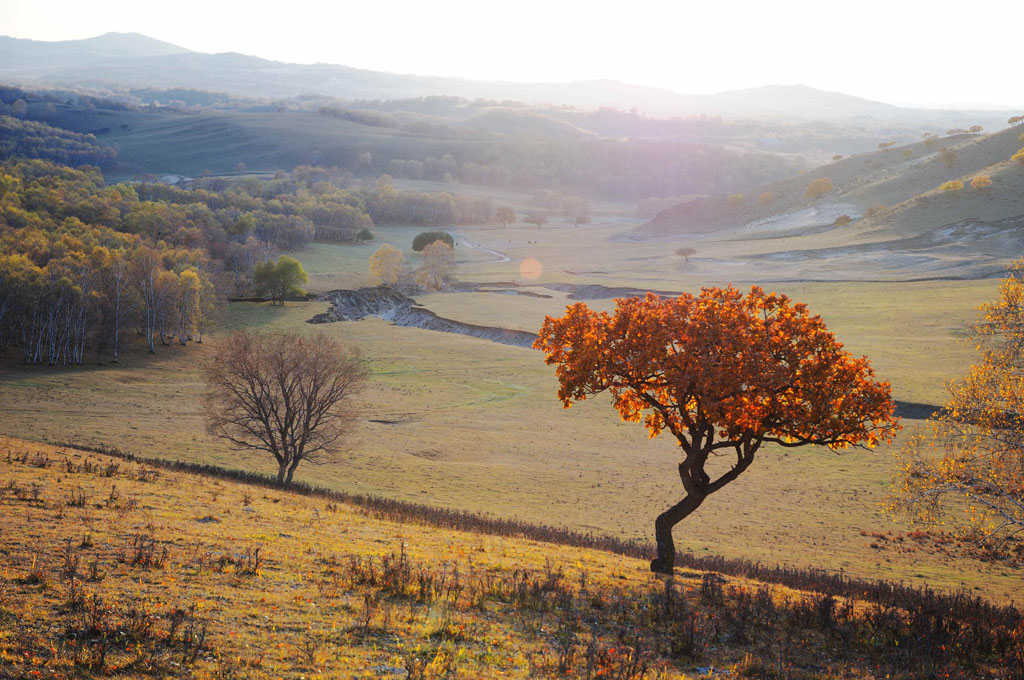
(427, 237)
(281, 279)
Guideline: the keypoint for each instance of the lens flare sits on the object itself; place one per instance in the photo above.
(530, 269)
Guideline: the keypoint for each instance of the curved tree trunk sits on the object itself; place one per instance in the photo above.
(698, 487)
(291, 469)
(282, 470)
(666, 558)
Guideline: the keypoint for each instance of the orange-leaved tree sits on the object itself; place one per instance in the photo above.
(723, 372)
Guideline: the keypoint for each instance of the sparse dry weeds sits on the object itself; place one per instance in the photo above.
(179, 574)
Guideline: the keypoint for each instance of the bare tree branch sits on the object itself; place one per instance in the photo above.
(283, 394)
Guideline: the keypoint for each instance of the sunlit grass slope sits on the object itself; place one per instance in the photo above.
(462, 422)
(879, 178)
(112, 568)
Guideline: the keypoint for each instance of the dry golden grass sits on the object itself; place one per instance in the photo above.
(112, 568)
(887, 177)
(455, 421)
(292, 617)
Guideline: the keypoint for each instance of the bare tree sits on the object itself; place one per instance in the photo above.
(283, 394)
(117, 278)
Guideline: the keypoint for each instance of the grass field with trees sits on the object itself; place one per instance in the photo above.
(206, 473)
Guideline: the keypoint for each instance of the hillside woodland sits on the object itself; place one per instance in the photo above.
(506, 147)
(82, 261)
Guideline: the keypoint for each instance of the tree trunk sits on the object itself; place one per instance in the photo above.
(291, 470)
(666, 558)
(281, 472)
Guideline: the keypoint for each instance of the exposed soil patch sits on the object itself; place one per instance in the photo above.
(390, 305)
(352, 305)
(428, 454)
(500, 287)
(967, 249)
(502, 257)
(506, 291)
(424, 318)
(573, 291)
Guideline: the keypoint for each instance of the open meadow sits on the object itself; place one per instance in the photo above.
(463, 422)
(291, 326)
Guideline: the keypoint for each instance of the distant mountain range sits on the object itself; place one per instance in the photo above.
(117, 60)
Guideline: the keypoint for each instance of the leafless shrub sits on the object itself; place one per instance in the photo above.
(75, 498)
(142, 551)
(71, 561)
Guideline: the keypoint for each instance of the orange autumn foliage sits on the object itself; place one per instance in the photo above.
(722, 364)
(721, 371)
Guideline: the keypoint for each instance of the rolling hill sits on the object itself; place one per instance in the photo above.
(878, 177)
(32, 56)
(496, 146)
(131, 60)
(900, 222)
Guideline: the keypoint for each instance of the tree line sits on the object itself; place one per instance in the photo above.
(609, 169)
(83, 261)
(72, 280)
(327, 204)
(29, 139)
(386, 205)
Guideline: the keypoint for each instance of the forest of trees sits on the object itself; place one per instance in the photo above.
(81, 261)
(604, 168)
(441, 147)
(29, 139)
(73, 276)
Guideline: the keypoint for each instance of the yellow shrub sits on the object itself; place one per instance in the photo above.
(818, 188)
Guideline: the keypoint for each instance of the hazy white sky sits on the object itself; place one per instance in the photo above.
(899, 51)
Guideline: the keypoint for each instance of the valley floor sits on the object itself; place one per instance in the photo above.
(462, 422)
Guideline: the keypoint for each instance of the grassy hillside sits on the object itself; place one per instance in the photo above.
(596, 473)
(881, 178)
(475, 143)
(188, 144)
(518, 453)
(114, 568)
